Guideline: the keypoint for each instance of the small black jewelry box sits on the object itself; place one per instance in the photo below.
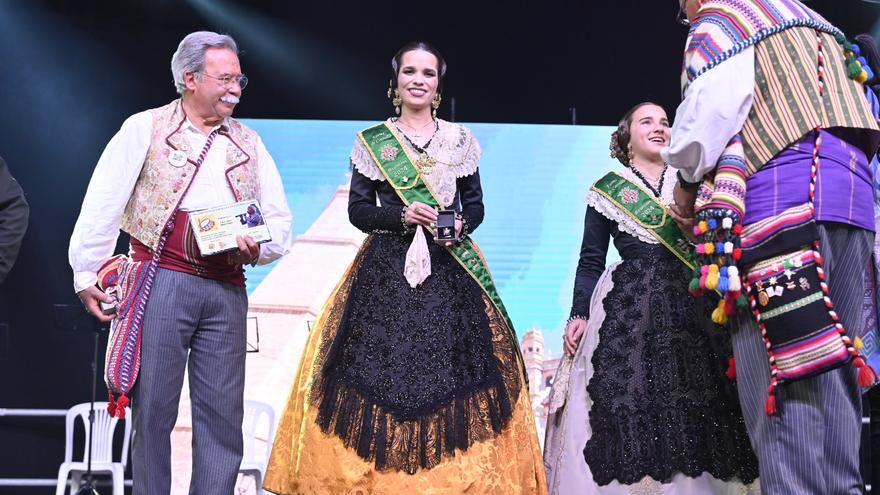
(446, 225)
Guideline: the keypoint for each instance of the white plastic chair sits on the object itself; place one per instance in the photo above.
(102, 448)
(259, 417)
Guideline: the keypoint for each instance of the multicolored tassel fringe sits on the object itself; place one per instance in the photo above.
(720, 209)
(856, 66)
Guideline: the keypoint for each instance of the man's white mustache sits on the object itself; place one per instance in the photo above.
(230, 99)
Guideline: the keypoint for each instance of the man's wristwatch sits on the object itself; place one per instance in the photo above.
(688, 186)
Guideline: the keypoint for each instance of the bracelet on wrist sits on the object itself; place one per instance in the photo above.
(465, 226)
(575, 317)
(403, 217)
(689, 186)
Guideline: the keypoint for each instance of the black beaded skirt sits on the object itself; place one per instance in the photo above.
(411, 374)
(662, 403)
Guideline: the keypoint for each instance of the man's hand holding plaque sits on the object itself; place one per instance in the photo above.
(248, 250)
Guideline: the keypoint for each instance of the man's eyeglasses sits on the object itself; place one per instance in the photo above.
(682, 17)
(228, 81)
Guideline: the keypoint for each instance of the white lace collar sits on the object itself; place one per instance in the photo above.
(453, 146)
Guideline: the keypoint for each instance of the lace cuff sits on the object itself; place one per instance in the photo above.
(575, 317)
(465, 225)
(403, 223)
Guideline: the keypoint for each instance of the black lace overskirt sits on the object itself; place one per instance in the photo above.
(408, 349)
(412, 374)
(662, 403)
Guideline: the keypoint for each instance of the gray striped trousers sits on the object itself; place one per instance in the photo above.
(199, 324)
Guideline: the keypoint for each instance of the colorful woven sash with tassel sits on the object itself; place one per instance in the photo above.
(130, 282)
(791, 302)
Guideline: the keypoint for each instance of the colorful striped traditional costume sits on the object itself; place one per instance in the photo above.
(783, 216)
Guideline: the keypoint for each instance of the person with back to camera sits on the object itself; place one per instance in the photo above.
(771, 143)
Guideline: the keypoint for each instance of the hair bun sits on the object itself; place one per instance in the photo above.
(616, 151)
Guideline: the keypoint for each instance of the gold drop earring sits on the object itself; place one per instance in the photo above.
(396, 101)
(435, 104)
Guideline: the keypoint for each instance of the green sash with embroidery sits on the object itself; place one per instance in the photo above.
(401, 172)
(644, 208)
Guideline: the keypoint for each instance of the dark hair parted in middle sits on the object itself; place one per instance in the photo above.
(620, 138)
(412, 46)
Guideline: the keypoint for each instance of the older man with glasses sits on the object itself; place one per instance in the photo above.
(162, 164)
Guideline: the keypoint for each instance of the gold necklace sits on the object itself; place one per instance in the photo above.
(425, 162)
(416, 131)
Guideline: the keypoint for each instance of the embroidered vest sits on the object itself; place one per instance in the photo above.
(786, 104)
(788, 60)
(160, 186)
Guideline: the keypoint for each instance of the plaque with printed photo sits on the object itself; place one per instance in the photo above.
(215, 229)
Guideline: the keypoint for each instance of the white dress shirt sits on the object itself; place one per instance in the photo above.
(714, 109)
(97, 229)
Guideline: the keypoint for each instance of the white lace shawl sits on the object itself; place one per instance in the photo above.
(454, 148)
(624, 222)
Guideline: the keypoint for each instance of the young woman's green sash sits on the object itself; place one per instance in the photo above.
(644, 208)
(401, 172)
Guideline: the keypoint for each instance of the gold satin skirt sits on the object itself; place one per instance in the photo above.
(305, 460)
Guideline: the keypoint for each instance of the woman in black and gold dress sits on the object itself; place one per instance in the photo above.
(411, 381)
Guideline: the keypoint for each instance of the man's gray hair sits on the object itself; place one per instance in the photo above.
(190, 54)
